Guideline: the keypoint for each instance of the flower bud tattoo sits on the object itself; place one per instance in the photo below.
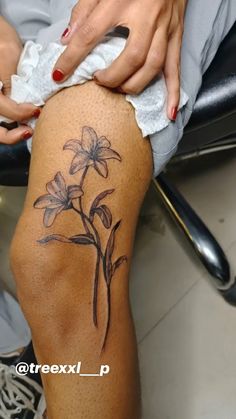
(90, 153)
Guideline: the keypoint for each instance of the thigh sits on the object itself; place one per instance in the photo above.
(87, 153)
(89, 172)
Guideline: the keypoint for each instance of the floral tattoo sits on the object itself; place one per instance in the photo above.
(93, 152)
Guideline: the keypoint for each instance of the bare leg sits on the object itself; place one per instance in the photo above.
(74, 290)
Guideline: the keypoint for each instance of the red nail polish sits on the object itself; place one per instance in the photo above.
(36, 113)
(174, 113)
(26, 135)
(66, 32)
(58, 75)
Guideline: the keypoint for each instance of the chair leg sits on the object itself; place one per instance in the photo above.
(201, 239)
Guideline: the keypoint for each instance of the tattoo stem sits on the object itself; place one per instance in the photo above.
(95, 291)
(108, 316)
(99, 257)
(80, 201)
(98, 242)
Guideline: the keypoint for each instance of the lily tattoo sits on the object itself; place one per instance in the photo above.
(90, 152)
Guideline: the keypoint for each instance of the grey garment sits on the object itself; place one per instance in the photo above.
(27, 16)
(206, 24)
(42, 21)
(14, 331)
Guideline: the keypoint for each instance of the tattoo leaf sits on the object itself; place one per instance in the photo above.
(118, 262)
(107, 262)
(58, 237)
(78, 239)
(97, 200)
(82, 239)
(104, 214)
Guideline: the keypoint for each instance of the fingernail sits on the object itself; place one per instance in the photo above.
(120, 90)
(26, 135)
(97, 81)
(174, 113)
(58, 75)
(36, 113)
(66, 32)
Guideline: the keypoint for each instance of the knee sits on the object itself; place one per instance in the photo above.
(50, 278)
(40, 270)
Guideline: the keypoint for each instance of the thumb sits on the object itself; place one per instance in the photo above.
(80, 13)
(172, 77)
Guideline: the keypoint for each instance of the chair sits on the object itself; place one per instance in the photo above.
(212, 127)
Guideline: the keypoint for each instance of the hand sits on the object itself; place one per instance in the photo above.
(10, 51)
(153, 45)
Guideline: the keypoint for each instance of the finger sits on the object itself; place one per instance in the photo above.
(9, 59)
(152, 67)
(129, 61)
(17, 112)
(80, 12)
(6, 85)
(5, 77)
(172, 75)
(15, 135)
(83, 41)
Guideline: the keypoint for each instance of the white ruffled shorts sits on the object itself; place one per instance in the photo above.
(40, 23)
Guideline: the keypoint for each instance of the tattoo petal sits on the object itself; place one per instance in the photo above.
(74, 145)
(50, 215)
(105, 153)
(101, 168)
(104, 142)
(57, 187)
(80, 161)
(89, 138)
(74, 191)
(45, 201)
(60, 182)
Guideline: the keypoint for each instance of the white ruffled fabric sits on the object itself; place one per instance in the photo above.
(34, 84)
